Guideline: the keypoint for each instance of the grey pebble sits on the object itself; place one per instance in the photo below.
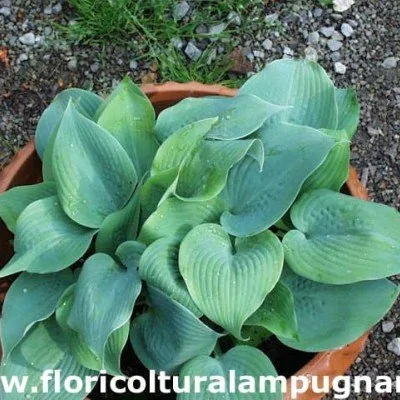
(258, 54)
(313, 38)
(95, 67)
(390, 62)
(327, 31)
(57, 8)
(340, 68)
(177, 43)
(318, 12)
(387, 326)
(394, 346)
(133, 65)
(72, 64)
(193, 52)
(234, 18)
(267, 44)
(334, 45)
(346, 29)
(6, 11)
(270, 18)
(22, 57)
(336, 56)
(311, 54)
(288, 51)
(180, 10)
(28, 39)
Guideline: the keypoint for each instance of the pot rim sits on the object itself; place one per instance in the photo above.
(328, 363)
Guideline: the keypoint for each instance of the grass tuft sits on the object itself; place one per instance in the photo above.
(148, 27)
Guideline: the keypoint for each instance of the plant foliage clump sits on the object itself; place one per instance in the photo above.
(222, 217)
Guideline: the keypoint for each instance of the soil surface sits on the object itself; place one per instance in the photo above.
(359, 48)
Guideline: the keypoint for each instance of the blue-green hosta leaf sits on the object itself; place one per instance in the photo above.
(168, 334)
(42, 349)
(348, 110)
(153, 191)
(129, 116)
(203, 175)
(229, 281)
(80, 350)
(46, 240)
(159, 267)
(130, 252)
(174, 151)
(238, 116)
(47, 162)
(334, 171)
(15, 200)
(300, 85)
(85, 102)
(30, 299)
(93, 173)
(120, 226)
(331, 316)
(255, 200)
(277, 313)
(247, 362)
(94, 315)
(175, 217)
(340, 239)
(254, 335)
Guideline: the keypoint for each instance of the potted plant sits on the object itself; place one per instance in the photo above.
(189, 240)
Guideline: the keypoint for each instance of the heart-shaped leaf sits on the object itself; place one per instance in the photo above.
(15, 200)
(129, 116)
(238, 116)
(80, 350)
(180, 145)
(30, 299)
(93, 173)
(96, 316)
(340, 239)
(168, 334)
(256, 200)
(334, 171)
(159, 267)
(248, 363)
(120, 226)
(44, 348)
(46, 240)
(87, 103)
(130, 253)
(302, 86)
(203, 175)
(348, 110)
(332, 316)
(277, 314)
(229, 281)
(175, 217)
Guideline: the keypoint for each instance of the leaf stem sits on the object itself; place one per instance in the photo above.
(217, 350)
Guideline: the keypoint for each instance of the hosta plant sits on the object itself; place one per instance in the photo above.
(193, 237)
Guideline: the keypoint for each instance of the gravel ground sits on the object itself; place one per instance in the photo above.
(360, 48)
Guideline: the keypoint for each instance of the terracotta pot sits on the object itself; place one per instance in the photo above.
(25, 168)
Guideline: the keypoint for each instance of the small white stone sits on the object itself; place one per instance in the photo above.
(390, 62)
(177, 43)
(334, 45)
(258, 54)
(22, 57)
(327, 31)
(180, 10)
(193, 52)
(340, 68)
(28, 39)
(311, 54)
(234, 18)
(270, 18)
(72, 64)
(394, 346)
(267, 44)
(313, 38)
(387, 326)
(346, 29)
(133, 65)
(6, 11)
(288, 51)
